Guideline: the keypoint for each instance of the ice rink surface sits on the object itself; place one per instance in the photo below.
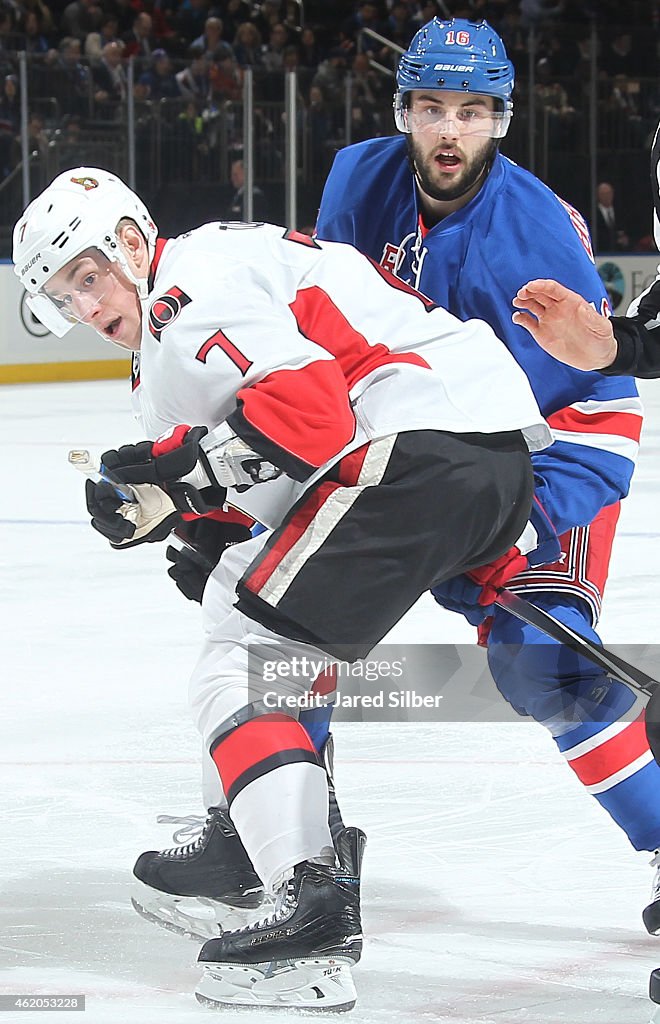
(495, 890)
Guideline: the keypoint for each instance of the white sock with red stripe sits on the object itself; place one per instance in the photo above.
(278, 794)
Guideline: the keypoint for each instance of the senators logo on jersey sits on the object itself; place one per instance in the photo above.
(165, 309)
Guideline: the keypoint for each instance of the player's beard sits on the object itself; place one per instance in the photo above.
(425, 170)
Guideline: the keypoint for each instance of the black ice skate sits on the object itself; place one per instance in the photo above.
(301, 955)
(651, 914)
(200, 888)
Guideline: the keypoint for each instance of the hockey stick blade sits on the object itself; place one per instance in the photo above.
(81, 460)
(611, 663)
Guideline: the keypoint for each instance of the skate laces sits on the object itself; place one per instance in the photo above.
(655, 863)
(285, 904)
(192, 828)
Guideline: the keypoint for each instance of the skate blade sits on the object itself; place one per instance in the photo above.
(192, 917)
(323, 984)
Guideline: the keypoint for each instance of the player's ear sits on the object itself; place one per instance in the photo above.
(134, 246)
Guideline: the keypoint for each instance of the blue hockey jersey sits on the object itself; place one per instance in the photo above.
(473, 262)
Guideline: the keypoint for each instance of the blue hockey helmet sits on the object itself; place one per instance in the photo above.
(459, 56)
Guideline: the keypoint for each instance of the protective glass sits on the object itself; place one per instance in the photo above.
(474, 120)
(74, 293)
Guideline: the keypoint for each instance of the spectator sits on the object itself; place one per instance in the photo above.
(247, 45)
(35, 42)
(268, 15)
(330, 76)
(514, 36)
(68, 78)
(609, 235)
(43, 12)
(290, 58)
(235, 13)
(562, 54)
(365, 17)
(191, 18)
(365, 123)
(123, 11)
(140, 41)
(10, 105)
(193, 80)
(292, 17)
(427, 9)
(311, 52)
(366, 86)
(273, 55)
(7, 23)
(622, 119)
(321, 133)
(109, 77)
(618, 57)
(535, 12)
(552, 98)
(271, 162)
(213, 45)
(37, 143)
(79, 18)
(399, 26)
(108, 33)
(69, 143)
(190, 134)
(226, 80)
(159, 82)
(10, 119)
(235, 208)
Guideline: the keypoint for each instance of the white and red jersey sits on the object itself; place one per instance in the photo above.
(309, 349)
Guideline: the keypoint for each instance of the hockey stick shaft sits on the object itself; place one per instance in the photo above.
(611, 663)
(556, 630)
(81, 460)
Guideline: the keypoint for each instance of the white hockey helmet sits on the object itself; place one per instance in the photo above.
(79, 210)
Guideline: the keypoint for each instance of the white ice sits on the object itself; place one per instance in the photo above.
(495, 889)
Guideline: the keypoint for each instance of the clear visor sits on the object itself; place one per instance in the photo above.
(76, 294)
(422, 116)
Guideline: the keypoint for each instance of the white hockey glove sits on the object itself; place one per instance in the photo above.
(233, 463)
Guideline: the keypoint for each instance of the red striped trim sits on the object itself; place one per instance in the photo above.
(326, 681)
(169, 441)
(402, 286)
(583, 571)
(292, 532)
(623, 424)
(323, 323)
(255, 741)
(613, 755)
(158, 252)
(350, 467)
(221, 515)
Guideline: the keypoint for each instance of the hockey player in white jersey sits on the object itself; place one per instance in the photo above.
(301, 383)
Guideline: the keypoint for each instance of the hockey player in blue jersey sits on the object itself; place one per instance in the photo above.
(441, 207)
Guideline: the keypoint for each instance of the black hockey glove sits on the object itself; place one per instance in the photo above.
(149, 518)
(163, 462)
(205, 540)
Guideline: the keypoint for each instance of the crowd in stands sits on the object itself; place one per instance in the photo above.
(190, 57)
